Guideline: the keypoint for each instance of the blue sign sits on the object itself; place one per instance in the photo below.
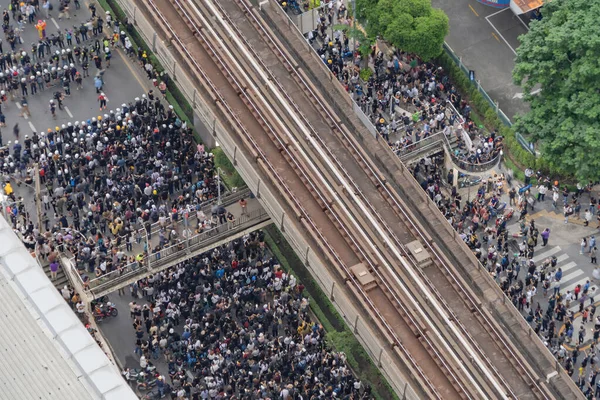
(495, 3)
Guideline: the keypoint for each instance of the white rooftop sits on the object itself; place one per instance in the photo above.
(45, 351)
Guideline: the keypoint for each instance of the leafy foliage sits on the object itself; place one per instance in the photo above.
(560, 56)
(364, 43)
(410, 25)
(230, 175)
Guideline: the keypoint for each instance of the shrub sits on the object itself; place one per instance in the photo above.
(230, 176)
(365, 74)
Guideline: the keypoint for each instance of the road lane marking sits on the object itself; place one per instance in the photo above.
(497, 38)
(523, 22)
(55, 23)
(32, 127)
(474, 12)
(135, 75)
(68, 112)
(499, 34)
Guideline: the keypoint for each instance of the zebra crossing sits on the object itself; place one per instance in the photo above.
(573, 274)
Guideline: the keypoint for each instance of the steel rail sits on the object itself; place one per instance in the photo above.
(533, 380)
(322, 239)
(448, 348)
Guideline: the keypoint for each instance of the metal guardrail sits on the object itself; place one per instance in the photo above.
(430, 141)
(229, 199)
(183, 249)
(471, 167)
(474, 167)
(494, 104)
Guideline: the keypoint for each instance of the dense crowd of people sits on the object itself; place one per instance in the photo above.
(108, 177)
(58, 62)
(232, 317)
(241, 325)
(105, 179)
(509, 258)
(407, 100)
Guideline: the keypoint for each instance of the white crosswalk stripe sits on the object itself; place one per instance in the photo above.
(570, 278)
(546, 254)
(573, 275)
(567, 267)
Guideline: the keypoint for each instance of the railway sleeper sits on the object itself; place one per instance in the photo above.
(244, 87)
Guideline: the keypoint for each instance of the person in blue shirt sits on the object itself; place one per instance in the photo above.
(558, 275)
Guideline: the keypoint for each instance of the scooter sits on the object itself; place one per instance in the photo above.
(131, 375)
(146, 384)
(105, 311)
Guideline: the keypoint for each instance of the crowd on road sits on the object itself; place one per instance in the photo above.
(58, 62)
(240, 325)
(106, 178)
(529, 281)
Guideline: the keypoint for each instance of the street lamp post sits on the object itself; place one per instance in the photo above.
(219, 186)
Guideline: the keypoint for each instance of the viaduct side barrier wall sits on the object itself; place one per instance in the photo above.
(424, 210)
(285, 219)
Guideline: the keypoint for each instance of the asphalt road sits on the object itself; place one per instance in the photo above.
(486, 39)
(124, 81)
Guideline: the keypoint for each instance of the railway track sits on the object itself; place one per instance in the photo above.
(434, 322)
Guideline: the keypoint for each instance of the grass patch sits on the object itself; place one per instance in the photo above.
(338, 336)
(229, 174)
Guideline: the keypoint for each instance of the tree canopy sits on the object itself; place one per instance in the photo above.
(410, 25)
(559, 55)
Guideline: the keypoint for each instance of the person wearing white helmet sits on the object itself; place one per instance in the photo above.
(53, 108)
(23, 87)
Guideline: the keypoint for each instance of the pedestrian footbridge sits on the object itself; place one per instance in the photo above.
(447, 144)
(165, 258)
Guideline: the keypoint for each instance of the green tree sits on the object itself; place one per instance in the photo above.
(410, 25)
(559, 56)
